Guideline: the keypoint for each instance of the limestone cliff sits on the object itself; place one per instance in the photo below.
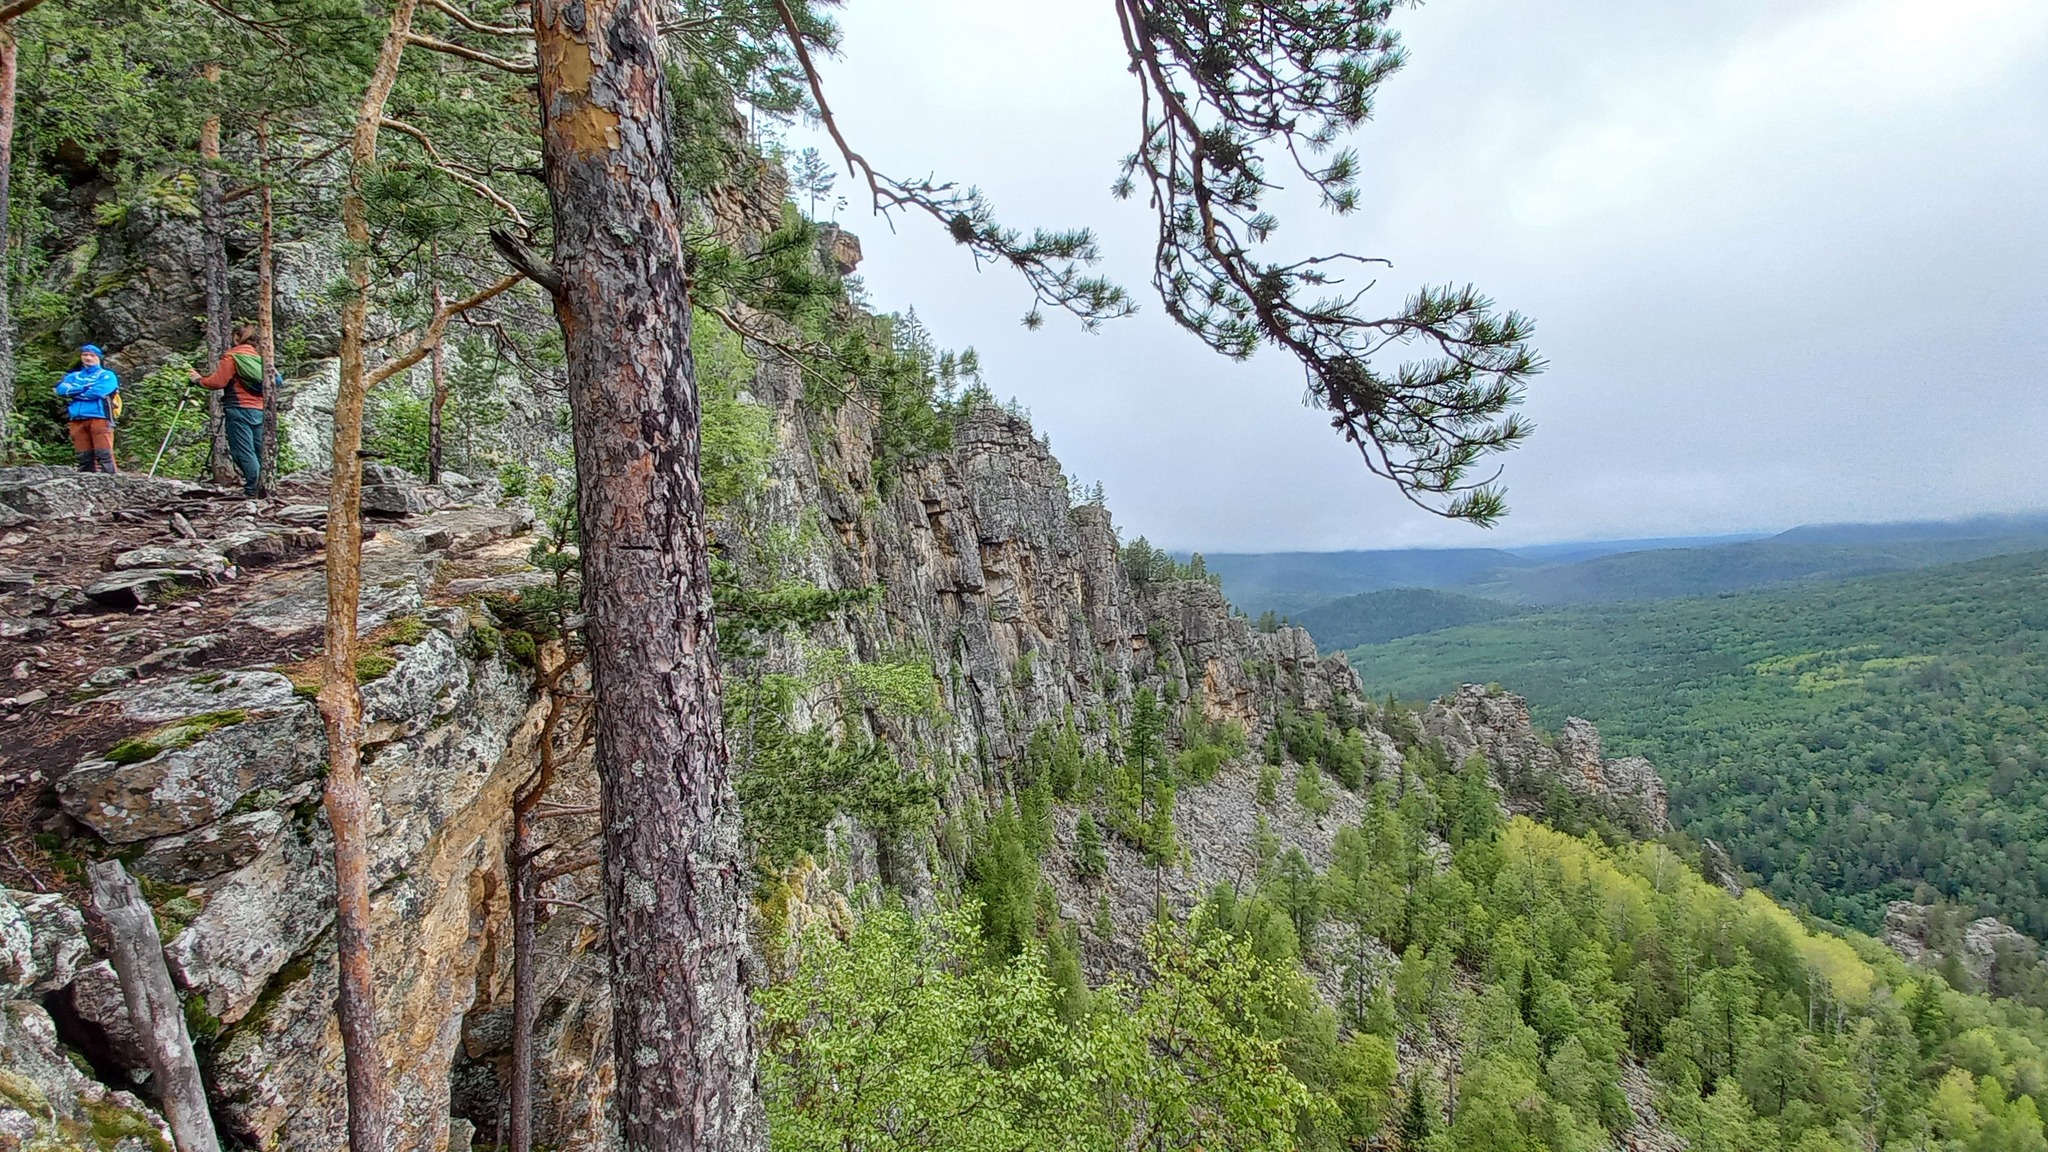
(159, 712)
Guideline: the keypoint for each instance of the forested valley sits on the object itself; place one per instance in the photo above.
(1852, 743)
(634, 694)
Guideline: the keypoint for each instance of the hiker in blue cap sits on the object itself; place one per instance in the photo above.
(93, 393)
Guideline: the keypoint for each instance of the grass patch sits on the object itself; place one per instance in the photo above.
(374, 666)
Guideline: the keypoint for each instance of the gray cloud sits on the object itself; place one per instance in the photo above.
(1789, 261)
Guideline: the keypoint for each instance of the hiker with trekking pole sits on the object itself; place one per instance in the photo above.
(240, 373)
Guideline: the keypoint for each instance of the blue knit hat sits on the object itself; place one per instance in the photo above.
(94, 349)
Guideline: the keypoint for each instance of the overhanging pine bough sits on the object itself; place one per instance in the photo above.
(1222, 83)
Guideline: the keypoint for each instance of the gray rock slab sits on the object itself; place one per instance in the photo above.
(257, 919)
(215, 850)
(156, 556)
(97, 998)
(262, 546)
(249, 690)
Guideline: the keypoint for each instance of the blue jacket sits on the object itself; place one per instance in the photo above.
(88, 389)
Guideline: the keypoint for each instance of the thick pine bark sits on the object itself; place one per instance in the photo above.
(675, 890)
(341, 702)
(153, 1006)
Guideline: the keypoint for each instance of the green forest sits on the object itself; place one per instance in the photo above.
(1559, 969)
(1850, 743)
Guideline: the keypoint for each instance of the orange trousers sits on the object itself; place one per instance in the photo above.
(93, 440)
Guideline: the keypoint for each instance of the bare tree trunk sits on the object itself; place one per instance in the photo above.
(153, 1005)
(10, 68)
(437, 400)
(213, 227)
(525, 891)
(266, 311)
(341, 703)
(683, 1036)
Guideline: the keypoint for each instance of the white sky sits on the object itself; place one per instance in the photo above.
(1788, 259)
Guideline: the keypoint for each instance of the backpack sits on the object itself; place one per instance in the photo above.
(249, 373)
(114, 405)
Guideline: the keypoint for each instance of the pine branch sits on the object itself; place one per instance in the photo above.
(467, 181)
(17, 9)
(437, 326)
(1222, 86)
(1049, 261)
(475, 25)
(434, 44)
(531, 264)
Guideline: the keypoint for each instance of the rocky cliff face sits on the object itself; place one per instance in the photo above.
(170, 725)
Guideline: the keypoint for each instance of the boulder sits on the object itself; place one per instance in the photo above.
(48, 1105)
(182, 654)
(468, 529)
(257, 919)
(195, 768)
(391, 492)
(56, 494)
(201, 560)
(262, 546)
(42, 938)
(127, 591)
(247, 690)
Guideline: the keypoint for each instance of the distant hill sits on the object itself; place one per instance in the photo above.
(1376, 617)
(1291, 582)
(1795, 556)
(1848, 741)
(1596, 572)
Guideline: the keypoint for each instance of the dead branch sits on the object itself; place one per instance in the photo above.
(543, 875)
(531, 264)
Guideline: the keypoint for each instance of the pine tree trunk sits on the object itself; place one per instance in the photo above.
(437, 399)
(266, 310)
(213, 228)
(683, 1037)
(341, 702)
(10, 65)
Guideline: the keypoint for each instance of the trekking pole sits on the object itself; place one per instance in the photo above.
(182, 397)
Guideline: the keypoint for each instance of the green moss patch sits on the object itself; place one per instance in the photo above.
(172, 737)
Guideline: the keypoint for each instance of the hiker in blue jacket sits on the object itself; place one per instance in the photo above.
(91, 391)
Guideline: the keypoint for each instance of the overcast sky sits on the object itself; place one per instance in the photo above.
(1788, 259)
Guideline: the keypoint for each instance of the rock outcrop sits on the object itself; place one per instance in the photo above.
(1496, 724)
(1986, 951)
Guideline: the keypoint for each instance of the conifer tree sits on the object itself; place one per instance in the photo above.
(10, 73)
